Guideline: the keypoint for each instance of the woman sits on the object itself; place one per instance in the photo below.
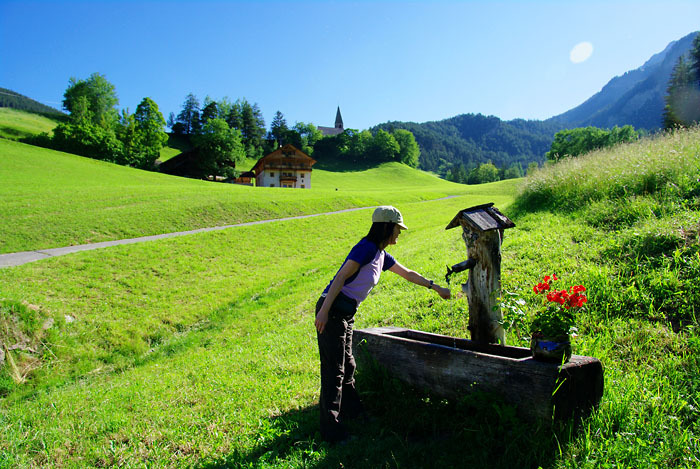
(335, 312)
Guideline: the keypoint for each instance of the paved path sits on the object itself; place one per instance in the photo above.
(19, 258)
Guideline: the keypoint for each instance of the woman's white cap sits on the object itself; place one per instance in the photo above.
(388, 214)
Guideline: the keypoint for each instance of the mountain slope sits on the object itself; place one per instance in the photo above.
(635, 98)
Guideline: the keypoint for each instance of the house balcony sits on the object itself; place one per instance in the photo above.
(297, 167)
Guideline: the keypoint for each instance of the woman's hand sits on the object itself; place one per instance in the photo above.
(444, 293)
(321, 320)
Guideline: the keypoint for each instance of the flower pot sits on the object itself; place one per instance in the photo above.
(548, 349)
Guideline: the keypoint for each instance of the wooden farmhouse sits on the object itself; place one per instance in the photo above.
(285, 167)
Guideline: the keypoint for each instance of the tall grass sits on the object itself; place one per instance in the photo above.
(666, 166)
(648, 194)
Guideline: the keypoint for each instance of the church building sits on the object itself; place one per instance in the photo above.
(338, 129)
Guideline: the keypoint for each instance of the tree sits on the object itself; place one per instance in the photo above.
(513, 171)
(126, 133)
(290, 136)
(248, 119)
(150, 133)
(485, 172)
(695, 59)
(532, 167)
(224, 106)
(384, 147)
(458, 174)
(574, 142)
(309, 135)
(682, 96)
(210, 110)
(409, 152)
(90, 128)
(359, 145)
(253, 129)
(218, 148)
(98, 94)
(278, 128)
(85, 138)
(189, 116)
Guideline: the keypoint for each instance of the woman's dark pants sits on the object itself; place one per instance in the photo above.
(339, 399)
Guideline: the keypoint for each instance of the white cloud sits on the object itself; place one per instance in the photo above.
(581, 52)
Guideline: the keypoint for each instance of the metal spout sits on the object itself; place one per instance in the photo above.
(462, 266)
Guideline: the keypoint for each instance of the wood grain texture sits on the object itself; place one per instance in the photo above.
(453, 367)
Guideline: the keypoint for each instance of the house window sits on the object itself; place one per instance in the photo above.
(272, 174)
(302, 186)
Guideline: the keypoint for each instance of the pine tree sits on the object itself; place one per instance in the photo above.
(278, 128)
(248, 119)
(679, 94)
(210, 110)
(189, 116)
(695, 59)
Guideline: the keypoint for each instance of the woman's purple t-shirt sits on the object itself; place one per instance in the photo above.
(373, 261)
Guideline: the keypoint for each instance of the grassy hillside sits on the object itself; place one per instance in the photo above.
(15, 124)
(53, 199)
(200, 351)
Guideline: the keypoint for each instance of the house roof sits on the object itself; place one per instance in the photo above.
(283, 154)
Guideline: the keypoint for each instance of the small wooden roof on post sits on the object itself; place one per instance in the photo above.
(482, 218)
(483, 227)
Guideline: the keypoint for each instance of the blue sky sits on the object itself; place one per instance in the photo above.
(379, 61)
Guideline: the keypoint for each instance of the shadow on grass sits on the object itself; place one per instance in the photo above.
(341, 166)
(11, 133)
(404, 428)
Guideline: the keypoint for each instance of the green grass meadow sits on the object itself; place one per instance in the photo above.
(200, 351)
(53, 199)
(15, 124)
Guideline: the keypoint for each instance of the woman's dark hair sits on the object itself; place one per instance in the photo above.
(380, 233)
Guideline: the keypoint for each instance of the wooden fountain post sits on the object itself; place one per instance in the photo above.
(453, 367)
(482, 231)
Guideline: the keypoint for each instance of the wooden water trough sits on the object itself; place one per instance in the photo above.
(452, 367)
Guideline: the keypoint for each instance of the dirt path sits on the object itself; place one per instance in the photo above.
(19, 258)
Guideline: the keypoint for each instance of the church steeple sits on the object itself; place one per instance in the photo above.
(338, 119)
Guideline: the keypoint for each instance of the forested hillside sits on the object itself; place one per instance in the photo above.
(471, 139)
(11, 99)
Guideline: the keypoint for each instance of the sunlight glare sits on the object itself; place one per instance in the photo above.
(581, 52)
